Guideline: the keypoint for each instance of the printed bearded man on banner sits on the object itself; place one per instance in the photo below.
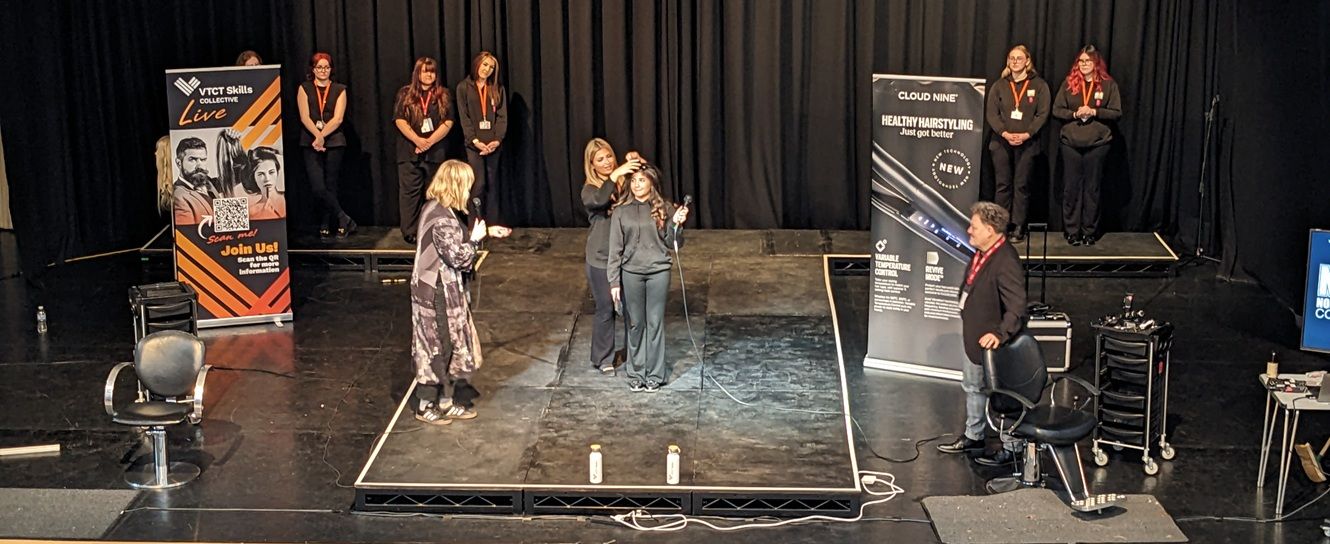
(192, 200)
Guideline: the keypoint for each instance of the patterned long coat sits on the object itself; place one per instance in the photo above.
(442, 255)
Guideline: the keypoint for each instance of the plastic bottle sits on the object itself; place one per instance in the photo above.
(672, 465)
(597, 474)
(41, 320)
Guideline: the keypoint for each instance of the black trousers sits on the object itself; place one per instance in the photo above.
(412, 178)
(644, 298)
(1083, 169)
(1011, 176)
(324, 170)
(603, 333)
(486, 169)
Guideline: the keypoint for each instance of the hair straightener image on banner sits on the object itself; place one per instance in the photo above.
(922, 225)
(891, 177)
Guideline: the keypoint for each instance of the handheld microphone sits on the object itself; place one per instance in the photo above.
(687, 200)
(476, 202)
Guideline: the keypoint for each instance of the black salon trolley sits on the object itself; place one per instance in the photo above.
(1131, 372)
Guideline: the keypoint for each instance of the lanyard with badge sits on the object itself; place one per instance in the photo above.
(323, 102)
(1089, 91)
(1016, 113)
(484, 92)
(427, 125)
(980, 259)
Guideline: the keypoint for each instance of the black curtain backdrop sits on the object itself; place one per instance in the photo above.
(1276, 105)
(761, 109)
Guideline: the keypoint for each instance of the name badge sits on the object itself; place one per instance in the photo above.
(1029, 92)
(1017, 115)
(1099, 95)
(427, 126)
(964, 295)
(485, 125)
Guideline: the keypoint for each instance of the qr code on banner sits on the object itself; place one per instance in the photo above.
(230, 214)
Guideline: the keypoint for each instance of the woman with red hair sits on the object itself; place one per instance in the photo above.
(1086, 102)
(322, 104)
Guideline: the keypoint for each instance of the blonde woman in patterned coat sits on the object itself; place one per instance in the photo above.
(444, 345)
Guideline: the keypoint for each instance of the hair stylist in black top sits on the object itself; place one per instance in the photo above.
(604, 184)
(422, 117)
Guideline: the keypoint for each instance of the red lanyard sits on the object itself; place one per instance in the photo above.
(981, 258)
(1017, 96)
(323, 97)
(1085, 98)
(424, 103)
(484, 92)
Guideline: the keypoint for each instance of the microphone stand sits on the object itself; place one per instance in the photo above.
(1201, 237)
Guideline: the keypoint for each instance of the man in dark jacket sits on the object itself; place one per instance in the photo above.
(992, 312)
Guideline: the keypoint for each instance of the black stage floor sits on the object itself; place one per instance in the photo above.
(294, 412)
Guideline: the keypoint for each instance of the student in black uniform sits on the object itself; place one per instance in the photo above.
(643, 229)
(1016, 109)
(604, 183)
(482, 109)
(322, 104)
(423, 119)
(1087, 101)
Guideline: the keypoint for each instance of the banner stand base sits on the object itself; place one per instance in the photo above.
(911, 368)
(247, 320)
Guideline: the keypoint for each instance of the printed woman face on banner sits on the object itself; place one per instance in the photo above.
(265, 174)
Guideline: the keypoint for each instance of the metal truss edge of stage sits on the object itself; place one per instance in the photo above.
(536, 501)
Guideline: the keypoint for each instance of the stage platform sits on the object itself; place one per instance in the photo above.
(775, 441)
(1117, 254)
(381, 249)
(369, 249)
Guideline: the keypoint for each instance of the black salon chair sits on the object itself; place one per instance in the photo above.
(1016, 382)
(170, 374)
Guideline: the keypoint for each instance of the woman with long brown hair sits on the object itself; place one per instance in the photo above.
(322, 105)
(604, 182)
(1087, 101)
(482, 109)
(643, 229)
(422, 117)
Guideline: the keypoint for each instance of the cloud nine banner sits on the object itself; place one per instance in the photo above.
(927, 140)
(229, 201)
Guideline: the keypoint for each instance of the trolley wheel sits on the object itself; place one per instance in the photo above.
(1167, 452)
(1100, 457)
(1151, 467)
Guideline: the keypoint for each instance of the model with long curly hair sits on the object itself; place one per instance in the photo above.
(639, 273)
